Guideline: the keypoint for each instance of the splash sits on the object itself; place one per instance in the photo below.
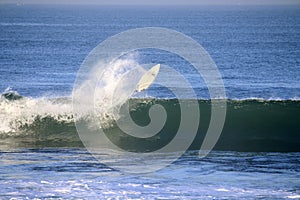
(113, 88)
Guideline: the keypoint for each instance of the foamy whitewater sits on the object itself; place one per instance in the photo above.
(18, 112)
(21, 113)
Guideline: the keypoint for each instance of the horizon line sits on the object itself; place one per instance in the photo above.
(155, 2)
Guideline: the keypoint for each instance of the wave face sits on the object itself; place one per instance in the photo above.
(251, 124)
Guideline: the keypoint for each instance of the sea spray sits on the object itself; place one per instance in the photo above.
(266, 124)
(19, 115)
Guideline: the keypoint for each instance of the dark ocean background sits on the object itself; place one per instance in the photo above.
(256, 50)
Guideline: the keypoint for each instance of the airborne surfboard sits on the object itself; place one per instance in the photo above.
(148, 78)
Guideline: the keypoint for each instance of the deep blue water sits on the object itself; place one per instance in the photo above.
(41, 48)
(255, 48)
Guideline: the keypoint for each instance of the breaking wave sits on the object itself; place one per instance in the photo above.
(251, 124)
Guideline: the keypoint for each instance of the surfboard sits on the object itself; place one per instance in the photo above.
(148, 78)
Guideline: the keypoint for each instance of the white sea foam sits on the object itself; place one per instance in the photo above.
(113, 88)
(22, 112)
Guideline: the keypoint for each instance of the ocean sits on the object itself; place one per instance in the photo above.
(256, 50)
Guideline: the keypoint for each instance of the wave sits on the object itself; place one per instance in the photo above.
(251, 124)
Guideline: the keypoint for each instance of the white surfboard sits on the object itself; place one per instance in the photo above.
(148, 78)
